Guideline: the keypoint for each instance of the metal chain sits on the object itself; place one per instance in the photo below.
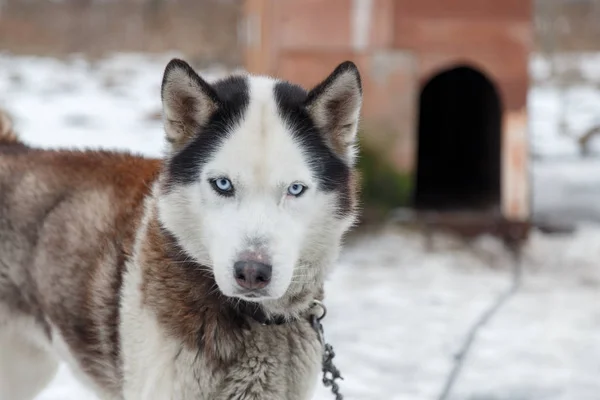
(330, 372)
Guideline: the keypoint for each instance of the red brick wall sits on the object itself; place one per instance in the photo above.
(508, 10)
(398, 45)
(495, 36)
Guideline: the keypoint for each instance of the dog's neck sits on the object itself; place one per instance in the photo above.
(188, 304)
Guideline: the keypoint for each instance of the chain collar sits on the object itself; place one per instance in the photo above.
(330, 371)
(318, 311)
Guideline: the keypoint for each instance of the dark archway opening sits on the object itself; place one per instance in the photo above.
(459, 142)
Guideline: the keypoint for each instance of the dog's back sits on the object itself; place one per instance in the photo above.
(9, 141)
(67, 219)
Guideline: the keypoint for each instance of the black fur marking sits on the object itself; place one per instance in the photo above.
(232, 99)
(332, 172)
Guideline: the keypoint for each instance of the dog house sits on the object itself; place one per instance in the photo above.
(445, 87)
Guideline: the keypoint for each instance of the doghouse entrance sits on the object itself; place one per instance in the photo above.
(458, 165)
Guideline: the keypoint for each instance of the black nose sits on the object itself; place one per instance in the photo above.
(252, 274)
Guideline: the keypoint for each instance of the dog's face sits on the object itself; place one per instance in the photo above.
(259, 183)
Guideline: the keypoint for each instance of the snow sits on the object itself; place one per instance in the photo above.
(398, 310)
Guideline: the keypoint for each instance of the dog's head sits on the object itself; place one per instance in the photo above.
(259, 181)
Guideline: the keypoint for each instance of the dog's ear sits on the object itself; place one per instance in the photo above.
(188, 102)
(334, 105)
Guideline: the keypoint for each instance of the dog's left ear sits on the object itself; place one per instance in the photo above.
(334, 105)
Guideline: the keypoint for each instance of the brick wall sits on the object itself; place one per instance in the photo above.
(398, 45)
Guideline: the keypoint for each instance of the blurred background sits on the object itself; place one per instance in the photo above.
(480, 162)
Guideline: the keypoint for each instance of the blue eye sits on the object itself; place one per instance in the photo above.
(222, 186)
(296, 189)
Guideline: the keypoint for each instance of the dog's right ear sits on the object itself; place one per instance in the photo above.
(188, 102)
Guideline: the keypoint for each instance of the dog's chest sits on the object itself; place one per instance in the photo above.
(270, 363)
(273, 363)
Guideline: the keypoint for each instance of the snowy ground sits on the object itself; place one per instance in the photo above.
(398, 311)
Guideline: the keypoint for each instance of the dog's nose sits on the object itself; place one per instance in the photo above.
(252, 274)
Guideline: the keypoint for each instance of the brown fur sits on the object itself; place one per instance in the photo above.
(7, 134)
(185, 298)
(9, 140)
(39, 190)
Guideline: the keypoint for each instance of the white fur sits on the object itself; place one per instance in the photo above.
(27, 363)
(147, 355)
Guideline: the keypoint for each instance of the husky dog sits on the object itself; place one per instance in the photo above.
(190, 277)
